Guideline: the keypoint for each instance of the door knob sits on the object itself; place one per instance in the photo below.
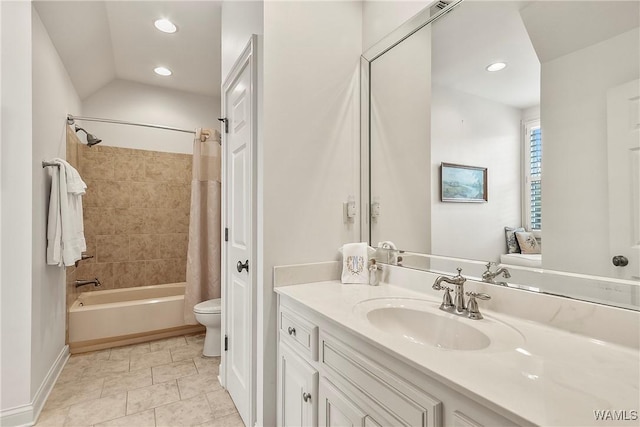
(242, 266)
(620, 261)
(306, 397)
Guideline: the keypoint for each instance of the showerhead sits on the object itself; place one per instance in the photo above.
(91, 139)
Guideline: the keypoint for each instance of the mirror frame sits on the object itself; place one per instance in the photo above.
(404, 31)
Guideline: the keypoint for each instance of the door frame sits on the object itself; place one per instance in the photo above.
(248, 58)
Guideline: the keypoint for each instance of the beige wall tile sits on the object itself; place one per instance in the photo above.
(173, 245)
(128, 167)
(149, 194)
(99, 166)
(103, 271)
(90, 198)
(129, 274)
(130, 221)
(166, 271)
(112, 248)
(114, 194)
(98, 221)
(167, 169)
(178, 195)
(144, 246)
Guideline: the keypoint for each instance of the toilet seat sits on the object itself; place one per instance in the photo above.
(211, 306)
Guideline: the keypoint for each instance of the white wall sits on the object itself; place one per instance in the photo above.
(574, 128)
(240, 19)
(311, 145)
(379, 18)
(53, 97)
(16, 178)
(474, 131)
(138, 102)
(401, 144)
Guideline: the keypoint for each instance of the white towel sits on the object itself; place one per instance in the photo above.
(355, 259)
(65, 232)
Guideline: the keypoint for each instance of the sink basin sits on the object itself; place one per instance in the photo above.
(422, 323)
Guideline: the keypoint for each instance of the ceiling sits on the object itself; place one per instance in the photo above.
(99, 41)
(477, 34)
(523, 34)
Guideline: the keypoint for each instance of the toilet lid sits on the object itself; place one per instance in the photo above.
(208, 307)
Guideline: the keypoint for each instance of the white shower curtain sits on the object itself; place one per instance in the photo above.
(203, 255)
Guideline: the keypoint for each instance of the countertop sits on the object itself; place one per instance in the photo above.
(551, 378)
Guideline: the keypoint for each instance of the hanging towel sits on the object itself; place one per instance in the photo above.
(355, 258)
(65, 230)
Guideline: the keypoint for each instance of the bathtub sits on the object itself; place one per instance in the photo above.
(103, 319)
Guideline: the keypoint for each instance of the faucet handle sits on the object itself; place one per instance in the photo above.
(472, 304)
(447, 303)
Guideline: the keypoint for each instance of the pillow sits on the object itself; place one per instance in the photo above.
(528, 243)
(512, 242)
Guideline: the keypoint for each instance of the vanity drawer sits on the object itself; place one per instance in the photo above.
(405, 402)
(299, 333)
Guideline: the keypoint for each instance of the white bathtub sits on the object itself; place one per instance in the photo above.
(115, 317)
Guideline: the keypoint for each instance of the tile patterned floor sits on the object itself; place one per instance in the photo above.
(164, 383)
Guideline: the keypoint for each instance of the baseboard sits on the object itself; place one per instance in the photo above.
(27, 415)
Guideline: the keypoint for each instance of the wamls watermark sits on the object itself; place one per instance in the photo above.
(615, 415)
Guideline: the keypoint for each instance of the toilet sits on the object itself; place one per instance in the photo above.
(208, 314)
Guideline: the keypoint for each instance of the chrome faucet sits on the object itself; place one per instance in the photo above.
(458, 291)
(95, 282)
(488, 275)
(458, 306)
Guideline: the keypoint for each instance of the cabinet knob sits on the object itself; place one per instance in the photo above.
(292, 331)
(306, 397)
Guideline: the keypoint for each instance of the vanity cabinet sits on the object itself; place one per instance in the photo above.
(299, 385)
(328, 376)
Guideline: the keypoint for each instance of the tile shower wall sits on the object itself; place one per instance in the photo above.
(136, 217)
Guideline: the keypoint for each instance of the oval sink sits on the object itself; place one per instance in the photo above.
(421, 322)
(422, 327)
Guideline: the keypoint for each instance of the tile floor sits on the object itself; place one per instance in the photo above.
(164, 383)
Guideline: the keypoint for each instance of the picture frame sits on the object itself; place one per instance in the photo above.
(463, 184)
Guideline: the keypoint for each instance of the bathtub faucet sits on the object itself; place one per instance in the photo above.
(95, 282)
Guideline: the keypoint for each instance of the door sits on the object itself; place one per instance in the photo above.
(239, 99)
(623, 141)
(298, 390)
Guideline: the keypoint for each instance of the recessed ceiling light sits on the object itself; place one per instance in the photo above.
(162, 71)
(496, 66)
(165, 26)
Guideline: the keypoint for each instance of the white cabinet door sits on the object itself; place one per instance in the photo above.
(336, 410)
(298, 390)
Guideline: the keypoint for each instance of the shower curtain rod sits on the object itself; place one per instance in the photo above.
(206, 133)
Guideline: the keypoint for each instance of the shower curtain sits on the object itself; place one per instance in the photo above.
(203, 254)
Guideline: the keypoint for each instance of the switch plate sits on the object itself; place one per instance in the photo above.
(349, 210)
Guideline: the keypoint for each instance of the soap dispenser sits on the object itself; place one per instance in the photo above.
(374, 272)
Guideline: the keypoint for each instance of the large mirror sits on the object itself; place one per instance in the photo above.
(509, 132)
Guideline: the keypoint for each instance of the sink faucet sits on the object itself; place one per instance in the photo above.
(488, 275)
(458, 290)
(458, 305)
(95, 282)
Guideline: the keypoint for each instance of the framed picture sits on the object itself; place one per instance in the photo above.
(459, 183)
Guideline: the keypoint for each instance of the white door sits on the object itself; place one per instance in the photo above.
(298, 390)
(623, 136)
(238, 107)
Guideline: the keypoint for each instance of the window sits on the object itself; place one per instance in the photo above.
(532, 200)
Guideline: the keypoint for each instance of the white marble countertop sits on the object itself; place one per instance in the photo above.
(553, 378)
